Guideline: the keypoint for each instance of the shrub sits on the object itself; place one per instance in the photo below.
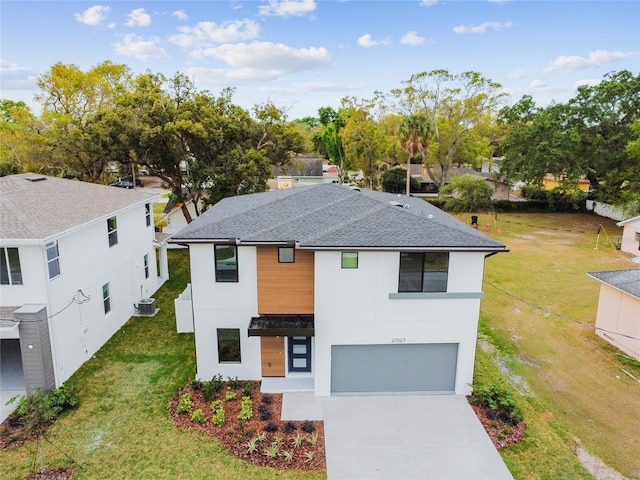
(289, 427)
(267, 399)
(247, 389)
(246, 409)
(499, 398)
(308, 426)
(185, 403)
(210, 388)
(38, 409)
(198, 416)
(266, 415)
(229, 396)
(234, 383)
(271, 427)
(196, 384)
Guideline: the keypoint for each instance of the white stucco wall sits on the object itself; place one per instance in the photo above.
(78, 330)
(353, 308)
(224, 305)
(618, 320)
(629, 242)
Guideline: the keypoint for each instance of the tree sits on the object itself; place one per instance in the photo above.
(19, 137)
(327, 141)
(394, 180)
(467, 193)
(415, 135)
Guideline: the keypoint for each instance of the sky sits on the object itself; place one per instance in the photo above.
(305, 54)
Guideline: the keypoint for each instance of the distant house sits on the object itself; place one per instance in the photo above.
(334, 290)
(75, 259)
(618, 316)
(631, 236)
(550, 181)
(429, 188)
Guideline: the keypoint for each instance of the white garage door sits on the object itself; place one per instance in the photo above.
(394, 368)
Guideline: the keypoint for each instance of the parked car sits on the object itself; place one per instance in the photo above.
(122, 184)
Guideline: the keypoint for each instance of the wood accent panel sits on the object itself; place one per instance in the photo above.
(272, 352)
(284, 288)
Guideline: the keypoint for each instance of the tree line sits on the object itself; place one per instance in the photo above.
(205, 147)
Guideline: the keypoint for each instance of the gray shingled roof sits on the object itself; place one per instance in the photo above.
(626, 280)
(39, 210)
(334, 216)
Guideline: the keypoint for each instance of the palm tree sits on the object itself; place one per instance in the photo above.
(415, 135)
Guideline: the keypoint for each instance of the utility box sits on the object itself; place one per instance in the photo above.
(147, 306)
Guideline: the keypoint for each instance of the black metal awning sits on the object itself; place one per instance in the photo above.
(282, 326)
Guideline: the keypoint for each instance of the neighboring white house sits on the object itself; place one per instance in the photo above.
(618, 316)
(334, 290)
(631, 236)
(75, 259)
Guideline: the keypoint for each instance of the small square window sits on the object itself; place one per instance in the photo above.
(112, 230)
(53, 259)
(349, 259)
(106, 298)
(146, 266)
(286, 255)
(229, 345)
(147, 213)
(226, 257)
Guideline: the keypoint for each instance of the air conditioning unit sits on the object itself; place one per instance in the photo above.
(147, 306)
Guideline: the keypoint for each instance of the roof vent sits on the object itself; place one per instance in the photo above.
(396, 203)
(35, 178)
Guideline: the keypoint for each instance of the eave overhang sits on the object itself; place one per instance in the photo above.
(282, 326)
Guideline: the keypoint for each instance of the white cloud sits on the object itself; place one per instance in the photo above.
(138, 18)
(482, 28)
(539, 86)
(367, 41)
(180, 15)
(93, 15)
(226, 77)
(412, 38)
(428, 3)
(575, 62)
(303, 88)
(208, 33)
(15, 77)
(499, 1)
(269, 57)
(590, 82)
(135, 46)
(287, 8)
(516, 75)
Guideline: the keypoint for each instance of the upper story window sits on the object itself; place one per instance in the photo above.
(226, 263)
(423, 271)
(53, 259)
(112, 229)
(10, 272)
(286, 255)
(349, 260)
(146, 266)
(147, 213)
(106, 298)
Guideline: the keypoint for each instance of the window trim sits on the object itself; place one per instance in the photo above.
(112, 231)
(423, 272)
(236, 332)
(4, 258)
(343, 258)
(106, 298)
(147, 213)
(286, 249)
(218, 275)
(52, 260)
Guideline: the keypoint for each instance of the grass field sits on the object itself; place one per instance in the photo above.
(538, 315)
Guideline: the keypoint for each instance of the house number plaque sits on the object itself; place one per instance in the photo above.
(398, 340)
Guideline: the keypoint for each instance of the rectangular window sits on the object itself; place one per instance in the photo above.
(53, 259)
(299, 354)
(106, 298)
(112, 229)
(229, 345)
(423, 272)
(146, 266)
(286, 255)
(349, 259)
(226, 263)
(147, 213)
(10, 272)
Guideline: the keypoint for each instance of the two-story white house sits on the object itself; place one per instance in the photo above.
(336, 291)
(75, 258)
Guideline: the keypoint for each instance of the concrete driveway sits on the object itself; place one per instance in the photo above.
(401, 437)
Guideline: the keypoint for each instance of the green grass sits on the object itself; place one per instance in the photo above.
(538, 313)
(122, 427)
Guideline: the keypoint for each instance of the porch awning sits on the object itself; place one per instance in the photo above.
(282, 326)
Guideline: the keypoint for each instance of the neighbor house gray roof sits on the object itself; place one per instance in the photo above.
(38, 207)
(627, 281)
(331, 216)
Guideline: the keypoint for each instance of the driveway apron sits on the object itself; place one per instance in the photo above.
(406, 437)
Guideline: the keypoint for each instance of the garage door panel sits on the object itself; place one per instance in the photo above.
(394, 368)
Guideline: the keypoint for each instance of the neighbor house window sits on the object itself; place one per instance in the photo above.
(147, 213)
(423, 272)
(106, 298)
(349, 259)
(229, 345)
(10, 266)
(146, 266)
(112, 229)
(226, 263)
(53, 259)
(286, 254)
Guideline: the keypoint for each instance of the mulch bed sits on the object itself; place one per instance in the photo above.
(56, 473)
(13, 434)
(501, 432)
(235, 435)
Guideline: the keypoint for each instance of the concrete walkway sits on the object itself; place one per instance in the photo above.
(400, 437)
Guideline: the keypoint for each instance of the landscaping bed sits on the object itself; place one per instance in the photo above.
(247, 422)
(502, 432)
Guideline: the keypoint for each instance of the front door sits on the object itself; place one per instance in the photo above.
(272, 349)
(299, 354)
